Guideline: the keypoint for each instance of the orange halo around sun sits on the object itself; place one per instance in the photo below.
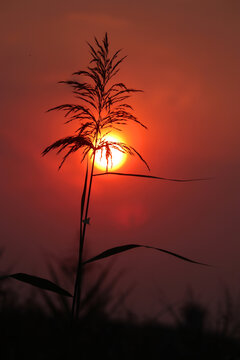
(118, 158)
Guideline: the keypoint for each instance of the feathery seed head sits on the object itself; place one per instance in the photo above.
(102, 106)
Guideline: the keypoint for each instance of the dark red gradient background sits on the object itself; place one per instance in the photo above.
(185, 56)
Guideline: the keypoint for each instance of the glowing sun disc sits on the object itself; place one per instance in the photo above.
(118, 158)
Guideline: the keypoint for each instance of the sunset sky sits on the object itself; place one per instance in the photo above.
(184, 55)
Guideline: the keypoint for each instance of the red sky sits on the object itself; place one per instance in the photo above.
(185, 56)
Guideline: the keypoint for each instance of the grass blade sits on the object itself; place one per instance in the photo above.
(120, 249)
(150, 176)
(38, 282)
(83, 198)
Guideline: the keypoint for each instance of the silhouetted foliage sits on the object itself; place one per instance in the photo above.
(103, 107)
(28, 332)
(97, 299)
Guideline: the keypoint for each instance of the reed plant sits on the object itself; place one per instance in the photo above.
(102, 107)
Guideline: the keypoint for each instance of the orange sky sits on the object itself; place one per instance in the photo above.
(185, 56)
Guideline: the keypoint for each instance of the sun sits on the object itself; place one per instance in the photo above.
(118, 158)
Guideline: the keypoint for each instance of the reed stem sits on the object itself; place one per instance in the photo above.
(78, 281)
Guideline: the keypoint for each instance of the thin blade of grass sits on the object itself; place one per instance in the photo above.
(38, 282)
(150, 176)
(120, 249)
(84, 196)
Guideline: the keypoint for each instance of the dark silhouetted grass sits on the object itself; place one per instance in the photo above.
(101, 106)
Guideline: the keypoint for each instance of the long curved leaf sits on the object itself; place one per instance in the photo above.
(38, 282)
(120, 249)
(150, 176)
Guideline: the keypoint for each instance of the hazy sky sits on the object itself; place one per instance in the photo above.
(185, 55)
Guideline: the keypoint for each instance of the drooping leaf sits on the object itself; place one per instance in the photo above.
(120, 249)
(38, 282)
(151, 177)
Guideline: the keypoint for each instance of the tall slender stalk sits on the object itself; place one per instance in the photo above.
(80, 244)
(78, 281)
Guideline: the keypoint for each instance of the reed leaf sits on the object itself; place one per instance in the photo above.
(150, 177)
(38, 282)
(119, 249)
